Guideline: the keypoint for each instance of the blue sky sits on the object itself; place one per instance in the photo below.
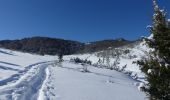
(81, 20)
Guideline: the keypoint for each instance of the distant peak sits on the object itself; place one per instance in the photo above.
(120, 39)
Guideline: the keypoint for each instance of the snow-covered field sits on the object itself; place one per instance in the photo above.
(26, 76)
(68, 82)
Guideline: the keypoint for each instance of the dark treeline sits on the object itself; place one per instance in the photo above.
(43, 45)
(53, 46)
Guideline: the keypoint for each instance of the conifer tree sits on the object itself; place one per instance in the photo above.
(157, 67)
(60, 57)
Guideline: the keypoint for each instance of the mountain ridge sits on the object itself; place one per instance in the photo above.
(54, 46)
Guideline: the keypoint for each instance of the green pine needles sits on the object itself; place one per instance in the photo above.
(157, 67)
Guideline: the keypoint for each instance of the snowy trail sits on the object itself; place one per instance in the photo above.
(26, 84)
(18, 75)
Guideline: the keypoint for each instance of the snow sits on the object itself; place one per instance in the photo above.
(168, 20)
(70, 83)
(140, 51)
(148, 26)
(16, 61)
(149, 71)
(140, 86)
(21, 74)
(41, 91)
(25, 76)
(27, 85)
(151, 36)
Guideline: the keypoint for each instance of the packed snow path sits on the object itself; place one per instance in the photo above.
(67, 81)
(26, 84)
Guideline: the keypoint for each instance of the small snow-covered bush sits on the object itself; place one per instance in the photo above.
(84, 63)
(78, 60)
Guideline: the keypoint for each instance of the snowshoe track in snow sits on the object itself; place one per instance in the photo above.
(26, 84)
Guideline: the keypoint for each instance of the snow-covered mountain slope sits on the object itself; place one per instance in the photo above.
(25, 76)
(122, 59)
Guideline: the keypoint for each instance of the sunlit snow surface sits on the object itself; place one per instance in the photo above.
(25, 76)
(68, 82)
